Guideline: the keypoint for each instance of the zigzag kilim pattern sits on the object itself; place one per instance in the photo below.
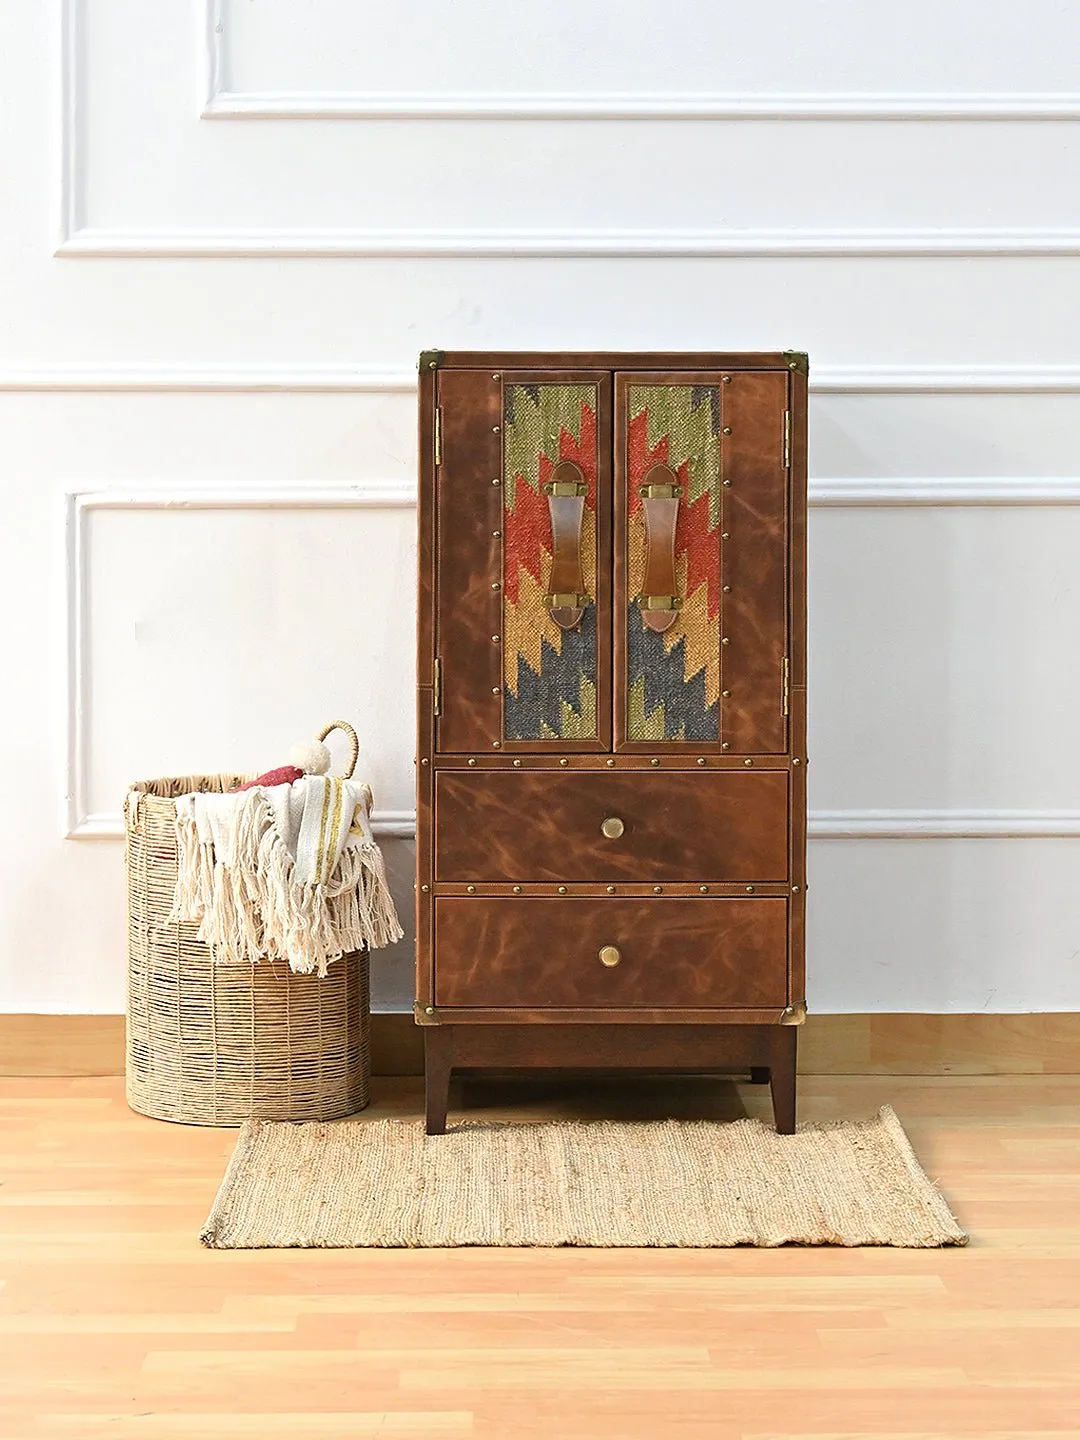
(673, 678)
(549, 674)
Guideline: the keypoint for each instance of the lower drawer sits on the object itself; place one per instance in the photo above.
(679, 953)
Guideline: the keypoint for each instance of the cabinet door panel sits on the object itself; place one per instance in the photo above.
(556, 660)
(523, 503)
(701, 667)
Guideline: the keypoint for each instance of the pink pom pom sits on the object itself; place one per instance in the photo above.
(283, 775)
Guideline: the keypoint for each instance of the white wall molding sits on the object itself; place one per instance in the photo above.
(551, 244)
(216, 102)
(850, 492)
(943, 824)
(79, 822)
(76, 240)
(386, 379)
(718, 105)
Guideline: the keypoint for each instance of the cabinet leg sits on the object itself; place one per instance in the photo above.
(759, 1074)
(437, 1067)
(783, 1043)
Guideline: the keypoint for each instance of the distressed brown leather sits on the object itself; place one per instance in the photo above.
(661, 517)
(567, 517)
(721, 825)
(535, 951)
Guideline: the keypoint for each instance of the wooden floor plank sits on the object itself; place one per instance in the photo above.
(114, 1322)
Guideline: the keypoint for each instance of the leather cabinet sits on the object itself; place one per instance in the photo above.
(611, 804)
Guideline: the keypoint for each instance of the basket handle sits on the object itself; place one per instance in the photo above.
(344, 726)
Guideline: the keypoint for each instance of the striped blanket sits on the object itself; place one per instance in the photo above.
(284, 872)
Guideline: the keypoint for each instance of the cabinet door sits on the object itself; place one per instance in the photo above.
(523, 561)
(701, 545)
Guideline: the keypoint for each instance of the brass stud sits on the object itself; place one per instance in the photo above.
(495, 429)
(562, 889)
(496, 534)
(611, 762)
(654, 761)
(793, 365)
(564, 761)
(425, 888)
(725, 534)
(496, 481)
(495, 639)
(517, 889)
(496, 377)
(432, 364)
(727, 589)
(495, 690)
(611, 889)
(748, 762)
(429, 1009)
(725, 745)
(795, 889)
(472, 761)
(517, 764)
(495, 585)
(424, 761)
(702, 760)
(727, 484)
(496, 744)
(749, 889)
(726, 694)
(658, 889)
(727, 430)
(471, 889)
(796, 761)
(726, 379)
(703, 889)
(724, 640)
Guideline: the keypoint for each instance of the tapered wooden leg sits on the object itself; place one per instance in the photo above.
(438, 1057)
(759, 1074)
(783, 1044)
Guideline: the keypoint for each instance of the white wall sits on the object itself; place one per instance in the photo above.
(229, 227)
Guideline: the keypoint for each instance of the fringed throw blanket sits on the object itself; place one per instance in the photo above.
(284, 872)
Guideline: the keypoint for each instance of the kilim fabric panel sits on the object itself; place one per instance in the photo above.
(549, 680)
(673, 678)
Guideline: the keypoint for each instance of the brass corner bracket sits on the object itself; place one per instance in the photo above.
(424, 1014)
(430, 359)
(797, 360)
(794, 1014)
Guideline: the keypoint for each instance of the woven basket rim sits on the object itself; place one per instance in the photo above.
(171, 787)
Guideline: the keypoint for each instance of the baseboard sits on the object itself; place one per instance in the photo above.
(1030, 1044)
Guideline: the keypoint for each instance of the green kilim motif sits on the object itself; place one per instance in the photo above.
(536, 416)
(689, 418)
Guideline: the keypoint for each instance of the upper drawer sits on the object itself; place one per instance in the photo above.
(506, 825)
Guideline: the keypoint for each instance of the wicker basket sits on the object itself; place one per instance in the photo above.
(215, 1044)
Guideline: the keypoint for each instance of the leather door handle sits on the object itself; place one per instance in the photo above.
(566, 491)
(660, 495)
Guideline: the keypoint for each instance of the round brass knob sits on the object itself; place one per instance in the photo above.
(612, 827)
(609, 955)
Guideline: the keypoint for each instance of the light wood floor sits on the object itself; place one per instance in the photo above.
(115, 1323)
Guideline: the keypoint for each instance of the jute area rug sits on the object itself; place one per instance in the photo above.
(692, 1183)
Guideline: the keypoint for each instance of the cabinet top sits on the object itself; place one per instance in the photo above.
(796, 360)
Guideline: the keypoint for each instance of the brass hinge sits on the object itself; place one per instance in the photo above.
(785, 689)
(437, 686)
(787, 439)
(438, 434)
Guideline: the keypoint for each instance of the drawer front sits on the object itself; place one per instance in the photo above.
(548, 825)
(550, 953)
